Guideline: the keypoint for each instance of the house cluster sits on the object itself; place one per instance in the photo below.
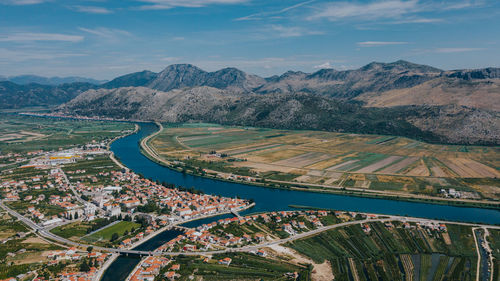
(149, 268)
(128, 191)
(78, 276)
(72, 254)
(453, 193)
(205, 238)
(432, 226)
(139, 236)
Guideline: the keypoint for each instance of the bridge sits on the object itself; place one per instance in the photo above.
(234, 212)
(48, 235)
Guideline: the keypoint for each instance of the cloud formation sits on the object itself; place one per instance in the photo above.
(456, 50)
(259, 16)
(325, 65)
(379, 43)
(375, 10)
(169, 4)
(92, 10)
(26, 37)
(293, 31)
(22, 2)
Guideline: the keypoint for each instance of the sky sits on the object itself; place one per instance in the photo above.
(102, 39)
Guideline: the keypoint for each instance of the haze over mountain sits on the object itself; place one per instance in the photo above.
(54, 81)
(13, 95)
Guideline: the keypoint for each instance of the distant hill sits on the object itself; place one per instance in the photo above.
(53, 81)
(289, 111)
(377, 84)
(401, 98)
(13, 95)
(136, 79)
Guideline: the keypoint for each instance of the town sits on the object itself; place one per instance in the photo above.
(76, 210)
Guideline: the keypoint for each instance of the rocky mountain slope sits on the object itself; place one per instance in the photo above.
(290, 111)
(376, 84)
(400, 98)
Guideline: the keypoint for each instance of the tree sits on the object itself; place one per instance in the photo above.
(76, 215)
(84, 266)
(114, 236)
(89, 249)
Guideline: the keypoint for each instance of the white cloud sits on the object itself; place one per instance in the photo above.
(379, 43)
(403, 10)
(169, 4)
(325, 65)
(294, 31)
(374, 10)
(26, 55)
(259, 16)
(456, 50)
(22, 2)
(106, 33)
(23, 37)
(170, 59)
(92, 10)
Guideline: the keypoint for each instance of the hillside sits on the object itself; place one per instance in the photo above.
(291, 111)
(376, 84)
(18, 96)
(482, 94)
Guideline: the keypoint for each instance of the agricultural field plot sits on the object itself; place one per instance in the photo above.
(331, 159)
(393, 252)
(243, 266)
(20, 133)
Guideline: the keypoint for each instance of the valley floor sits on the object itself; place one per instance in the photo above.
(365, 165)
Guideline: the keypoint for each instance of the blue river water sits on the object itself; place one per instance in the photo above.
(267, 199)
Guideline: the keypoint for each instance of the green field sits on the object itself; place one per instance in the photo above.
(27, 133)
(379, 163)
(106, 233)
(243, 267)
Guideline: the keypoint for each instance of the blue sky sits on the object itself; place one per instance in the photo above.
(102, 38)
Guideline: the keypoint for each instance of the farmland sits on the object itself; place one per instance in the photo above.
(243, 267)
(394, 252)
(330, 160)
(20, 133)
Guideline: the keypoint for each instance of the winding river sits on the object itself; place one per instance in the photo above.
(127, 150)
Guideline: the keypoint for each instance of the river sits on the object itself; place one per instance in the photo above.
(127, 150)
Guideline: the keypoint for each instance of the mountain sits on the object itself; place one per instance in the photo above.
(443, 90)
(179, 76)
(13, 95)
(374, 77)
(29, 79)
(133, 79)
(288, 111)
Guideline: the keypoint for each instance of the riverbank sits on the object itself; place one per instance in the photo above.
(181, 222)
(151, 154)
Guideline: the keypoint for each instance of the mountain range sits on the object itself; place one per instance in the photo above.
(54, 81)
(398, 98)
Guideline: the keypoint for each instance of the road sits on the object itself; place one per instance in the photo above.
(47, 234)
(75, 193)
